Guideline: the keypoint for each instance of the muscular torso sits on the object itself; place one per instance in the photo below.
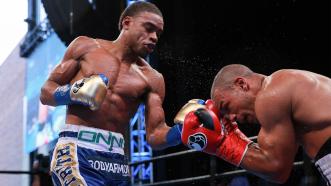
(308, 97)
(129, 83)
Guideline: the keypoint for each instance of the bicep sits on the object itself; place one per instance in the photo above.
(277, 134)
(277, 140)
(64, 72)
(272, 158)
(60, 75)
(154, 111)
(156, 128)
(69, 66)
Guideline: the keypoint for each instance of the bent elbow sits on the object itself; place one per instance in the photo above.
(154, 146)
(280, 174)
(45, 96)
(155, 141)
(281, 178)
(42, 96)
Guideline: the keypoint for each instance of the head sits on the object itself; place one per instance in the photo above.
(141, 24)
(234, 94)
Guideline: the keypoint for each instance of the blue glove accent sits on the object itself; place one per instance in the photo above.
(201, 101)
(104, 78)
(62, 95)
(174, 136)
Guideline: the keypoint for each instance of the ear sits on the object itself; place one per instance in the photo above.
(126, 22)
(241, 83)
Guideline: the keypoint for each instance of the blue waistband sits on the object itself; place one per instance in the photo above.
(68, 134)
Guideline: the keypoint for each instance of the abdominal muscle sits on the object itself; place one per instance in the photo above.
(114, 114)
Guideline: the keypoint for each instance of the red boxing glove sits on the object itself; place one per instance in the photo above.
(234, 145)
(233, 127)
(204, 138)
(211, 106)
(203, 131)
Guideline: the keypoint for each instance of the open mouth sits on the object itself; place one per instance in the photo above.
(150, 47)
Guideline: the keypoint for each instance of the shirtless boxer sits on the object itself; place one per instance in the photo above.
(292, 107)
(102, 83)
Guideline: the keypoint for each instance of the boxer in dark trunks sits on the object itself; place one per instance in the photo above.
(292, 107)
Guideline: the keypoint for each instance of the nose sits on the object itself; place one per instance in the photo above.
(153, 37)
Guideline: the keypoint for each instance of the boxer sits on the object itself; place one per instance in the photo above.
(292, 107)
(102, 83)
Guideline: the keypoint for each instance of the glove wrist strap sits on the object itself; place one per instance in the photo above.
(62, 95)
(233, 149)
(174, 135)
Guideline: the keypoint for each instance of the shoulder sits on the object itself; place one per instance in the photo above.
(281, 91)
(282, 76)
(152, 73)
(287, 76)
(154, 78)
(81, 45)
(274, 100)
(82, 40)
(292, 80)
(284, 81)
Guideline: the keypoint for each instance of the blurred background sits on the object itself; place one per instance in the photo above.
(199, 38)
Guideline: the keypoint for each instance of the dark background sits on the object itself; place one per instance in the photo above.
(200, 37)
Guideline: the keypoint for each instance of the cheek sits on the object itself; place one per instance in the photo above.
(143, 33)
(237, 106)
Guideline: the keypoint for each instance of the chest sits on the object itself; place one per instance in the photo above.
(131, 83)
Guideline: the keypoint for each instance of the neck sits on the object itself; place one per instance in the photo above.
(122, 50)
(260, 81)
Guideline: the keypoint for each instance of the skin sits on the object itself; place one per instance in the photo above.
(131, 79)
(292, 107)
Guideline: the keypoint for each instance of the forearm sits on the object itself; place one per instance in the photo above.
(265, 164)
(157, 138)
(47, 93)
(159, 134)
(61, 75)
(87, 91)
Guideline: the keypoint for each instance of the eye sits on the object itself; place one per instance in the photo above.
(149, 27)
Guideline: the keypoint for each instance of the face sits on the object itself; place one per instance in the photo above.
(144, 31)
(236, 105)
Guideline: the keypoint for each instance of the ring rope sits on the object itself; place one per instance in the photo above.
(206, 177)
(170, 155)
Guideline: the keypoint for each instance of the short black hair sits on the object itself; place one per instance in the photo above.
(136, 8)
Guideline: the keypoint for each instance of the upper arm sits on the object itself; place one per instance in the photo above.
(272, 158)
(154, 111)
(277, 136)
(66, 69)
(69, 66)
(277, 139)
